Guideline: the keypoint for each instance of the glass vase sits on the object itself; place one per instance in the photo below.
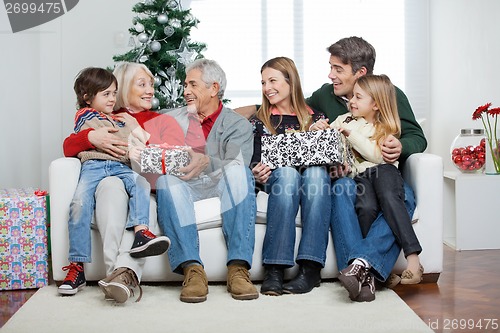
(492, 166)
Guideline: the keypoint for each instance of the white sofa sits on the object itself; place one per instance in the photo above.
(424, 172)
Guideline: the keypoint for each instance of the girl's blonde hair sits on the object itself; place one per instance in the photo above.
(125, 73)
(383, 92)
(298, 104)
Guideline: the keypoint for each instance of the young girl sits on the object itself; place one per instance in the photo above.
(96, 89)
(373, 116)
(284, 110)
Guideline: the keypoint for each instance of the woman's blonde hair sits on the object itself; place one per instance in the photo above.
(125, 73)
(298, 104)
(383, 92)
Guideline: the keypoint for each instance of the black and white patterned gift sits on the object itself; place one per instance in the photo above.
(303, 148)
(164, 159)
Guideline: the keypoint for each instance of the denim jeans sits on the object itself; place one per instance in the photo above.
(287, 188)
(83, 203)
(380, 188)
(176, 215)
(379, 247)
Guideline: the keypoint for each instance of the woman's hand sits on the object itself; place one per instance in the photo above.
(321, 124)
(104, 140)
(261, 172)
(199, 162)
(129, 121)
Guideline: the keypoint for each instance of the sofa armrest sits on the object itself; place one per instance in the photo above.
(424, 173)
(63, 178)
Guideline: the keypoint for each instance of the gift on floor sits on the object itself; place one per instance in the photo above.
(164, 159)
(23, 239)
(323, 147)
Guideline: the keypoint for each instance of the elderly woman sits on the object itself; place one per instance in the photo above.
(135, 92)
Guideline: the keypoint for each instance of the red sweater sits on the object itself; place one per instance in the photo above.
(163, 129)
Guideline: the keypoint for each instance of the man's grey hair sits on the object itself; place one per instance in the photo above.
(210, 72)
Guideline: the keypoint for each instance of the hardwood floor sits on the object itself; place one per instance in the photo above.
(466, 296)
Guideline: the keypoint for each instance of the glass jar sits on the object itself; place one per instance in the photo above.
(468, 151)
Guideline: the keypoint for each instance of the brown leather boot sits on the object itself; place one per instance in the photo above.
(238, 283)
(195, 285)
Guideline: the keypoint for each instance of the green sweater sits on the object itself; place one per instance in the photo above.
(412, 137)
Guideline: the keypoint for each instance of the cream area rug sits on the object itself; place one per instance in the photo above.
(325, 309)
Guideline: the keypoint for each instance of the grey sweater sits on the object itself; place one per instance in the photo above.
(230, 142)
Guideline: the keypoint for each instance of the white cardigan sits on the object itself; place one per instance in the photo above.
(359, 137)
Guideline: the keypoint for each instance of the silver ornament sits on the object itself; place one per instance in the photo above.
(155, 103)
(143, 37)
(176, 23)
(144, 58)
(157, 81)
(139, 27)
(169, 31)
(155, 46)
(162, 18)
(172, 4)
(171, 71)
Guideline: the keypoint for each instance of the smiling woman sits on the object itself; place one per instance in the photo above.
(302, 30)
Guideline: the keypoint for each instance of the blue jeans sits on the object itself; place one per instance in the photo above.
(176, 215)
(381, 188)
(379, 247)
(83, 203)
(287, 188)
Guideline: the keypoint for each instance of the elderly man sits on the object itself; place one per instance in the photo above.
(222, 146)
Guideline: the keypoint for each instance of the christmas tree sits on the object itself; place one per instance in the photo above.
(160, 40)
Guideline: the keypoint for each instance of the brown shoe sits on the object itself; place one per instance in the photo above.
(239, 284)
(392, 281)
(120, 285)
(409, 277)
(195, 285)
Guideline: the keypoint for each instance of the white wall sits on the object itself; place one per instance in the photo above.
(465, 50)
(38, 67)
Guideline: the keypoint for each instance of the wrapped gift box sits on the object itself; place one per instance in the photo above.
(164, 159)
(324, 147)
(23, 239)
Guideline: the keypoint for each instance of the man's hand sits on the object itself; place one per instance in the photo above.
(246, 111)
(104, 140)
(391, 149)
(261, 172)
(199, 162)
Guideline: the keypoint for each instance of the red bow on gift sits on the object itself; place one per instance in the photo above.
(40, 193)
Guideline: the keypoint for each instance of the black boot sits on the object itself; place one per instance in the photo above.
(273, 280)
(307, 278)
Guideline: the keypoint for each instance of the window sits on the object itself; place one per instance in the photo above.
(242, 35)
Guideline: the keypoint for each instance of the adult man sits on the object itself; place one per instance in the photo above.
(222, 146)
(361, 259)
(351, 58)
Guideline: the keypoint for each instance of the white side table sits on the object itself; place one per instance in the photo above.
(471, 211)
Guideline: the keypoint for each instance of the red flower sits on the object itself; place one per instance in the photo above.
(479, 111)
(494, 111)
